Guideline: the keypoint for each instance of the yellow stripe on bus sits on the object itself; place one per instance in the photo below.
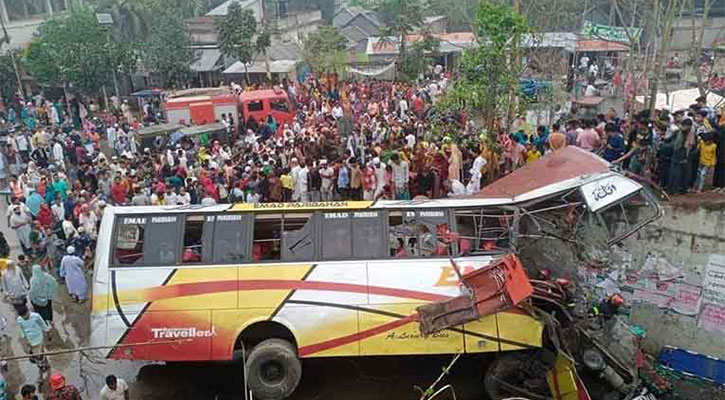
(321, 205)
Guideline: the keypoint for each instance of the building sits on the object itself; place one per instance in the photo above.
(289, 22)
(387, 49)
(357, 25)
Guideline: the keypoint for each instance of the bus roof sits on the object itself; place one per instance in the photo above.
(549, 174)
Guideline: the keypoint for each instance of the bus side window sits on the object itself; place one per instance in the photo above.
(230, 238)
(267, 237)
(403, 234)
(435, 235)
(368, 233)
(336, 236)
(194, 250)
(129, 241)
(298, 234)
(162, 240)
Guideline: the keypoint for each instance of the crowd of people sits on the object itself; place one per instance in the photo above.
(64, 162)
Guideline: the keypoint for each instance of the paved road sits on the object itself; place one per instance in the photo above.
(377, 378)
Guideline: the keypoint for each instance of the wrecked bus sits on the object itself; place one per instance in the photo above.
(283, 281)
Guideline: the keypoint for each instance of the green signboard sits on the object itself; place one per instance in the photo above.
(610, 33)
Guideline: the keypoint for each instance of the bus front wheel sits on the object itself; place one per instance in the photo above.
(273, 369)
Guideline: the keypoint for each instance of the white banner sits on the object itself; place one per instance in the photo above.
(373, 72)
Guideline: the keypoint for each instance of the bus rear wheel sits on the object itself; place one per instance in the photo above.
(273, 369)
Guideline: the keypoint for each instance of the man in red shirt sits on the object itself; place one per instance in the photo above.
(118, 192)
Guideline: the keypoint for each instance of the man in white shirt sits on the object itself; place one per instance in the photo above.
(111, 136)
(337, 112)
(58, 209)
(457, 188)
(294, 174)
(326, 174)
(115, 389)
(303, 182)
(380, 176)
(58, 154)
(403, 106)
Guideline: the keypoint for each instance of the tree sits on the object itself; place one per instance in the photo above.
(75, 50)
(489, 73)
(168, 49)
(459, 15)
(8, 80)
(400, 18)
(421, 52)
(240, 37)
(323, 50)
(131, 18)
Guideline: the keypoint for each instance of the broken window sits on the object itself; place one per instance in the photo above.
(298, 237)
(130, 241)
(627, 216)
(481, 230)
(418, 233)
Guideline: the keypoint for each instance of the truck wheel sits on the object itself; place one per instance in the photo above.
(273, 369)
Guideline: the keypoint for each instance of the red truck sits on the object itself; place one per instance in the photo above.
(206, 105)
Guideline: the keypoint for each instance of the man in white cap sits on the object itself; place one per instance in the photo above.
(71, 267)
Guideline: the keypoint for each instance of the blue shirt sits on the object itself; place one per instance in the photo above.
(33, 328)
(34, 202)
(614, 149)
(343, 177)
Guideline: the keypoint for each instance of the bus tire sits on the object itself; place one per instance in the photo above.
(273, 369)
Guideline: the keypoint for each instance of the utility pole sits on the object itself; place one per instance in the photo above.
(516, 61)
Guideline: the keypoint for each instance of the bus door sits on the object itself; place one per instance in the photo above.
(416, 271)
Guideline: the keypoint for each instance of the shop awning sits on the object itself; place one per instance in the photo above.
(586, 45)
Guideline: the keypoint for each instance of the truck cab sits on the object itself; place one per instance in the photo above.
(258, 104)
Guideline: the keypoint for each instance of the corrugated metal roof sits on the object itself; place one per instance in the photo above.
(345, 14)
(223, 9)
(565, 40)
(207, 61)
